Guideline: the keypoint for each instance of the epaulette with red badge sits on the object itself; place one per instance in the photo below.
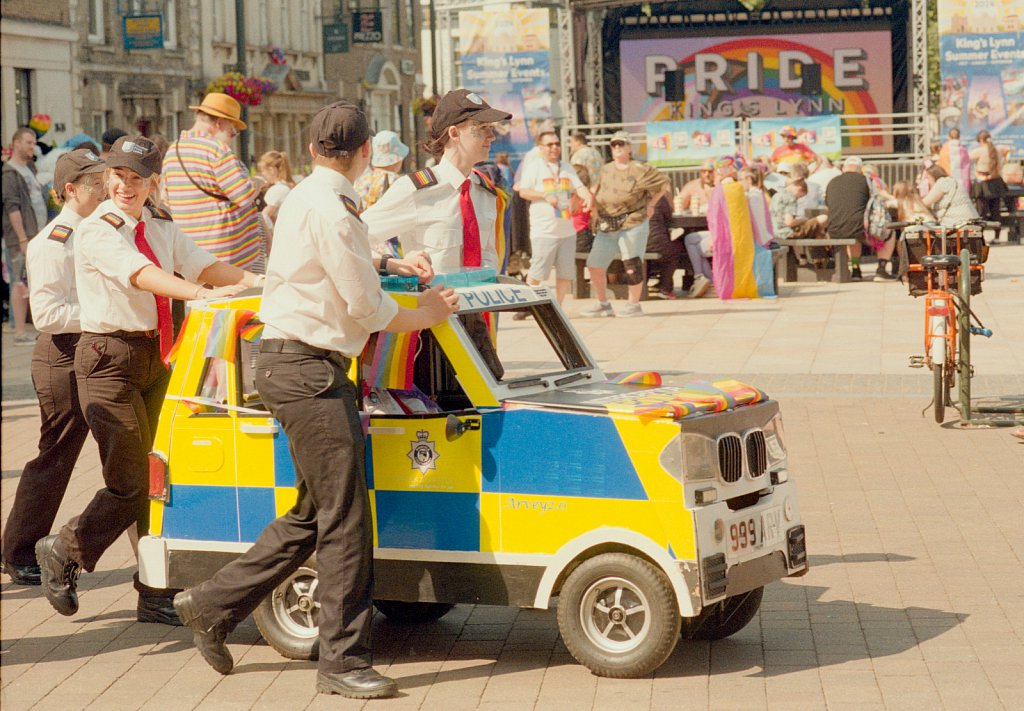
(113, 219)
(423, 178)
(160, 214)
(60, 233)
(485, 182)
(350, 205)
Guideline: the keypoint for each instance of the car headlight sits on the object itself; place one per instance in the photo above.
(775, 441)
(700, 457)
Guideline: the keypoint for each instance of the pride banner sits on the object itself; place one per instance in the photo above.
(678, 143)
(762, 77)
(981, 59)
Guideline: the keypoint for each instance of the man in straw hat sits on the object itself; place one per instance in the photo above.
(209, 192)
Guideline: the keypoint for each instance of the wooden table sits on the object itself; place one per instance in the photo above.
(842, 271)
(688, 222)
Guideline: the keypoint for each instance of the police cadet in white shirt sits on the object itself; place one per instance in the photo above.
(78, 182)
(321, 302)
(125, 256)
(449, 211)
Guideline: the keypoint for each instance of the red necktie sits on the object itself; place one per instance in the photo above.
(163, 304)
(470, 229)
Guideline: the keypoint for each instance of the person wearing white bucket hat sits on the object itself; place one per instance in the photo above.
(386, 158)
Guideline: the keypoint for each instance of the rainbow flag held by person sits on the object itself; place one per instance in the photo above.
(739, 272)
(956, 161)
(388, 359)
(640, 377)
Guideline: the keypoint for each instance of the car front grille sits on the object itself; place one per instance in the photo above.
(730, 458)
(757, 454)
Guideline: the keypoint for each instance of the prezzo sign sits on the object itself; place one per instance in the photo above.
(729, 77)
(367, 27)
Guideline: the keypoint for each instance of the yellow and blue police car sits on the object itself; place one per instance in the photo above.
(497, 476)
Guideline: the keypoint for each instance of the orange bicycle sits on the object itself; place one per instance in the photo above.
(933, 257)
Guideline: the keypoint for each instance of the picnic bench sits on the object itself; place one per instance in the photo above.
(840, 274)
(620, 289)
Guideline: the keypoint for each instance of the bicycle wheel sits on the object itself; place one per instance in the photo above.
(939, 381)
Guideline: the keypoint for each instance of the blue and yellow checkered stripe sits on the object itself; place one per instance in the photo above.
(524, 482)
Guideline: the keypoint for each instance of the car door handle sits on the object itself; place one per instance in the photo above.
(258, 429)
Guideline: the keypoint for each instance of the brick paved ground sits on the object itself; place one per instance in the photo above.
(915, 599)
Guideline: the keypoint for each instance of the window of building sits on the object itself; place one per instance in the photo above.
(23, 95)
(286, 25)
(170, 11)
(97, 33)
(410, 23)
(99, 124)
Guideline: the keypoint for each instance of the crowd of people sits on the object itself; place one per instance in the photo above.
(144, 225)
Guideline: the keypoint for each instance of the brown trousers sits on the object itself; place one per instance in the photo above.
(121, 384)
(62, 433)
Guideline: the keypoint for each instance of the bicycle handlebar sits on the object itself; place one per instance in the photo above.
(976, 222)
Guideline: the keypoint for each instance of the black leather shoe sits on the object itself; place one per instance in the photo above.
(210, 643)
(58, 575)
(356, 684)
(157, 609)
(23, 574)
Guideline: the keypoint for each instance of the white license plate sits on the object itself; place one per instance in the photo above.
(753, 532)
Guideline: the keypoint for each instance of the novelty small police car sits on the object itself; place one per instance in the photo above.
(497, 476)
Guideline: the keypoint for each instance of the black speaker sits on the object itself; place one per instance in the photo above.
(810, 78)
(674, 90)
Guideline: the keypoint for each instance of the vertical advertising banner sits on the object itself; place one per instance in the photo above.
(819, 133)
(681, 143)
(981, 58)
(505, 60)
(842, 73)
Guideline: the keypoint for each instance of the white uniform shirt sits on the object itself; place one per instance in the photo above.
(430, 218)
(322, 289)
(547, 178)
(106, 258)
(50, 261)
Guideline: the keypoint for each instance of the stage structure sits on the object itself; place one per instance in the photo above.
(614, 62)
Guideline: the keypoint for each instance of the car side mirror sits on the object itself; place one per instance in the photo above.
(453, 428)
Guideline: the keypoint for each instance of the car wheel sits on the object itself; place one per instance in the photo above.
(724, 618)
(288, 617)
(410, 612)
(618, 616)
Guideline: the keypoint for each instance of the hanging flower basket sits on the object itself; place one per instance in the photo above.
(244, 90)
(425, 105)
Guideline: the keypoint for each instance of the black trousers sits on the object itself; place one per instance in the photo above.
(121, 383)
(62, 433)
(315, 402)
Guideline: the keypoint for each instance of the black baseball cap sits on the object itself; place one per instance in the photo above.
(461, 105)
(137, 153)
(73, 165)
(111, 135)
(339, 129)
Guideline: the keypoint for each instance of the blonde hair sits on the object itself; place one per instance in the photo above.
(278, 160)
(908, 202)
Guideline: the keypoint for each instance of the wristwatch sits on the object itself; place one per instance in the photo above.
(384, 265)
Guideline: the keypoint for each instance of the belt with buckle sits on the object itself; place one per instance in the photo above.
(151, 333)
(280, 345)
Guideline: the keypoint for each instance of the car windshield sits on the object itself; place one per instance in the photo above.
(542, 344)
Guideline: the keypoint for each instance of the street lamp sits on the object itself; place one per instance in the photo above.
(243, 148)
